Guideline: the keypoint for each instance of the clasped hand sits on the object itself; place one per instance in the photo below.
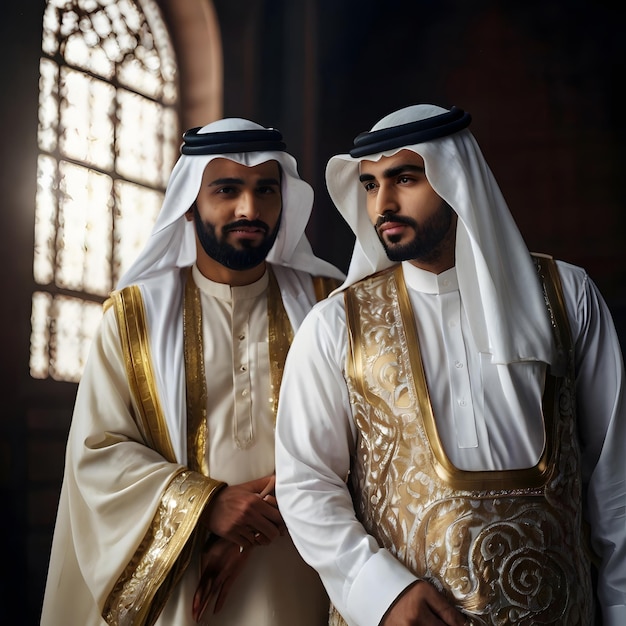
(239, 518)
(220, 563)
(422, 605)
(246, 514)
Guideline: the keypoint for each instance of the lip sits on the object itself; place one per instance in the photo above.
(246, 232)
(392, 228)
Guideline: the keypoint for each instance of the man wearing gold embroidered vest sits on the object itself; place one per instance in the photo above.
(167, 513)
(452, 429)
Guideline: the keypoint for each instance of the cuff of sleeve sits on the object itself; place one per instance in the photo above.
(176, 517)
(379, 583)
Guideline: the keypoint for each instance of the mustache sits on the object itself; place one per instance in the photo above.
(246, 224)
(390, 217)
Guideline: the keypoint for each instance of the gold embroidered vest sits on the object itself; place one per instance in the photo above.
(506, 547)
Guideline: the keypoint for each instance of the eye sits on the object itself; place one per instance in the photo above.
(226, 189)
(403, 180)
(267, 189)
(369, 186)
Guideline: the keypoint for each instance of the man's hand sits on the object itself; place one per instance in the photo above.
(246, 514)
(221, 562)
(422, 605)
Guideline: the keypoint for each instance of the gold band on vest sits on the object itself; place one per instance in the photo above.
(522, 478)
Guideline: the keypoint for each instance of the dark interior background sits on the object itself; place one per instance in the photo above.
(542, 80)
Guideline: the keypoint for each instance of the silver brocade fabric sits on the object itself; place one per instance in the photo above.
(504, 547)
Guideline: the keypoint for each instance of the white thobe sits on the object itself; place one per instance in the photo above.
(488, 417)
(276, 587)
(113, 482)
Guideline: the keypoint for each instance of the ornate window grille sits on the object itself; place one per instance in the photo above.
(108, 136)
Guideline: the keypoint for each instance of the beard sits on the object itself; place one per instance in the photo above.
(427, 244)
(249, 256)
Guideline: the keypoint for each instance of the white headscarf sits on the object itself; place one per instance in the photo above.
(171, 246)
(172, 242)
(498, 282)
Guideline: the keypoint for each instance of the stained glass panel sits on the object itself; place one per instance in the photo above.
(62, 330)
(108, 136)
(48, 105)
(140, 139)
(137, 209)
(40, 335)
(84, 232)
(126, 39)
(45, 220)
(73, 324)
(87, 108)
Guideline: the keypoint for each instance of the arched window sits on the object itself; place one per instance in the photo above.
(108, 136)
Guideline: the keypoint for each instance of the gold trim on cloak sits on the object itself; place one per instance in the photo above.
(195, 379)
(131, 318)
(323, 286)
(280, 336)
(143, 588)
(159, 562)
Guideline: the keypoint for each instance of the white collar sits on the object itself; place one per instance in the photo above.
(427, 282)
(229, 293)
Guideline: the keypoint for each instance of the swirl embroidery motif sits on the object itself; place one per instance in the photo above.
(504, 555)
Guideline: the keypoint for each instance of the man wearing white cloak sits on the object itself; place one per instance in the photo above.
(167, 513)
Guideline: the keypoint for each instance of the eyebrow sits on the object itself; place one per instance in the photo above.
(394, 171)
(268, 181)
(240, 181)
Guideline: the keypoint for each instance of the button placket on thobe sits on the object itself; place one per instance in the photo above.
(243, 427)
(458, 372)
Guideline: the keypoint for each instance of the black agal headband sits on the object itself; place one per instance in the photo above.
(441, 125)
(230, 141)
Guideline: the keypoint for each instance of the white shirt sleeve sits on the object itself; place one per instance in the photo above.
(601, 415)
(315, 436)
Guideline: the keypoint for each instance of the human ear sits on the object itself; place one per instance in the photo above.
(189, 212)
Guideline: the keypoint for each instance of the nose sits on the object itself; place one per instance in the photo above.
(247, 207)
(386, 200)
